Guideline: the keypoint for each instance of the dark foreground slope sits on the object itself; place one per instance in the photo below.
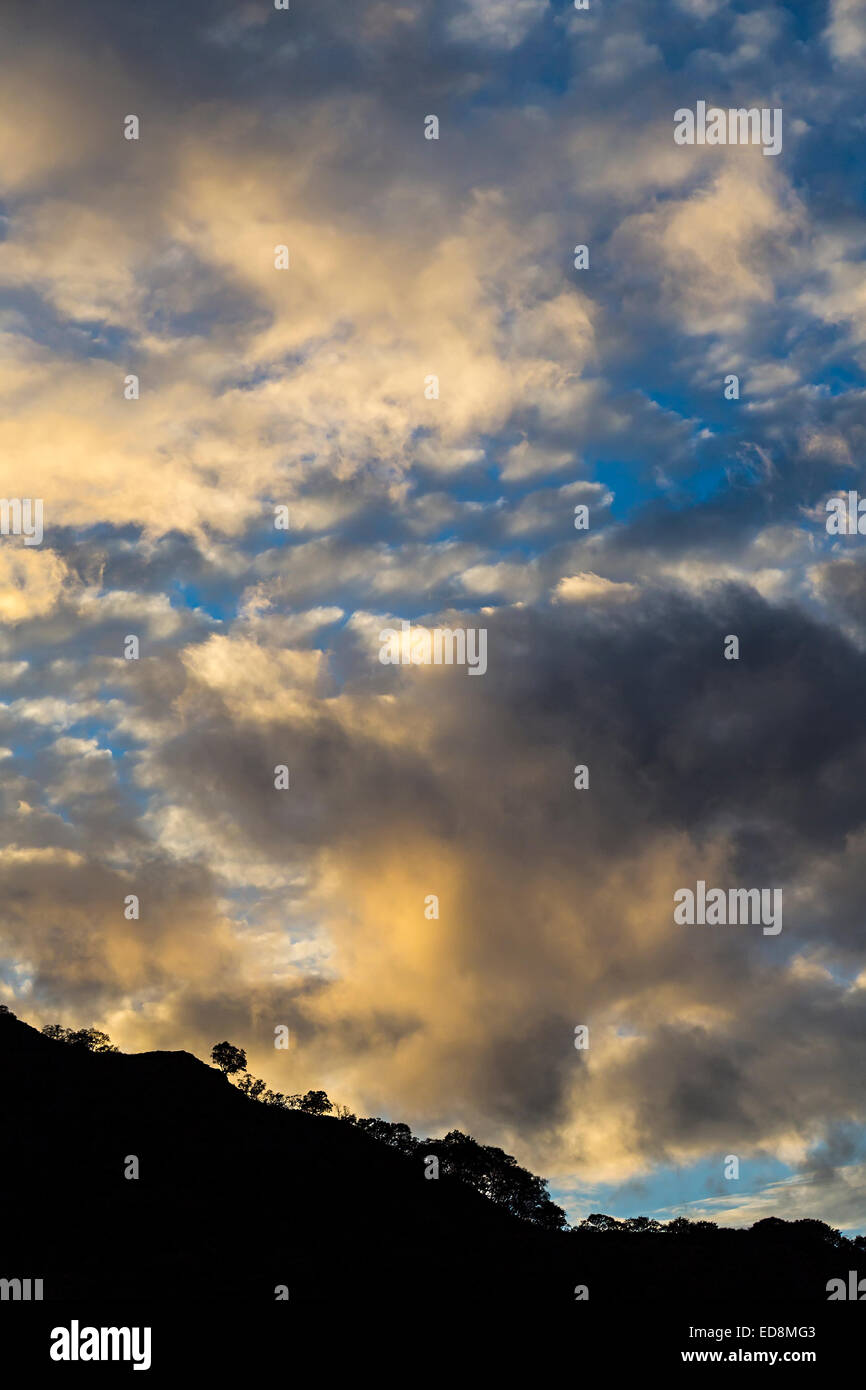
(235, 1198)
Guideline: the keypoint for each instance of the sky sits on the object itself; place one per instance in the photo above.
(448, 505)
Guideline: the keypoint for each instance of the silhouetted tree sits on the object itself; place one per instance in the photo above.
(640, 1225)
(599, 1221)
(399, 1136)
(93, 1040)
(314, 1103)
(645, 1225)
(680, 1226)
(89, 1038)
(818, 1231)
(497, 1176)
(229, 1058)
(251, 1087)
(56, 1032)
(803, 1233)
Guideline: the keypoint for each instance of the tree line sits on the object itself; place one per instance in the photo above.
(489, 1170)
(90, 1039)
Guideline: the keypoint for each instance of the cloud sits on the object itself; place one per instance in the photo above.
(792, 1199)
(720, 248)
(31, 581)
(406, 782)
(583, 588)
(846, 32)
(450, 259)
(499, 23)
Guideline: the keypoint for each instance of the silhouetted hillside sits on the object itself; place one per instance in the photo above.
(235, 1198)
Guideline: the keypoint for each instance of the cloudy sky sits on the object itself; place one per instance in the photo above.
(559, 387)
